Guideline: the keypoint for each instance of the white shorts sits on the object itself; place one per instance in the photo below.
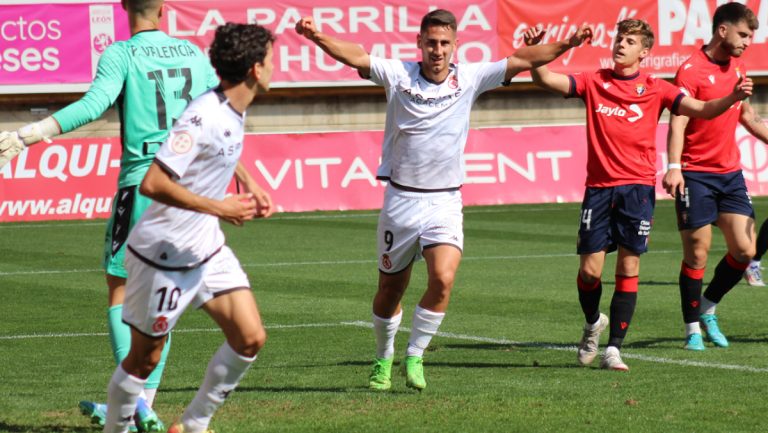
(409, 222)
(155, 299)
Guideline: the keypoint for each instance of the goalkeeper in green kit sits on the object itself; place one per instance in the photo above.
(150, 78)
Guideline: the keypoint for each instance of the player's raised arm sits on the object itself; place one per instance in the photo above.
(693, 107)
(530, 57)
(542, 76)
(349, 53)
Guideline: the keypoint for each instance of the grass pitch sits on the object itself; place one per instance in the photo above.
(504, 361)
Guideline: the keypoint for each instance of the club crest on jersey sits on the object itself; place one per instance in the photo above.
(640, 89)
(453, 82)
(181, 142)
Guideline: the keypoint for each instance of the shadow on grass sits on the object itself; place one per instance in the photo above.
(13, 428)
(506, 347)
(656, 343)
(610, 283)
(283, 389)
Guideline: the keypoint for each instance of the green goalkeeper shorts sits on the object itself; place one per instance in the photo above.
(127, 207)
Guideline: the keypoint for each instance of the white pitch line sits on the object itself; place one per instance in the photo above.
(656, 359)
(344, 262)
(293, 217)
(179, 331)
(363, 324)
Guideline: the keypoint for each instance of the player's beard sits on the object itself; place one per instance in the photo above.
(732, 49)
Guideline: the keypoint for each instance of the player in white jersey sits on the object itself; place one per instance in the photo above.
(428, 105)
(176, 252)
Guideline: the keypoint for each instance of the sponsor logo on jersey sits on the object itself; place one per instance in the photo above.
(638, 111)
(181, 142)
(161, 325)
(711, 79)
(606, 85)
(687, 66)
(738, 73)
(610, 111)
(196, 120)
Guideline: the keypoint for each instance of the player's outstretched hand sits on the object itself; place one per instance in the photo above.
(673, 182)
(584, 34)
(743, 88)
(238, 208)
(533, 36)
(306, 27)
(10, 146)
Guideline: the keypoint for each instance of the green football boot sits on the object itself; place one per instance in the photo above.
(381, 374)
(413, 369)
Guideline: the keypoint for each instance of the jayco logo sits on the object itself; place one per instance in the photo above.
(610, 111)
(618, 111)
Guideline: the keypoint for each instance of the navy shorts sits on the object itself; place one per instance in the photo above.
(709, 194)
(613, 216)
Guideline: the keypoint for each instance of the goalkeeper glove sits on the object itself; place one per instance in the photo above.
(39, 131)
(10, 146)
(12, 143)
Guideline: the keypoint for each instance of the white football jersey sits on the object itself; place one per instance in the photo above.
(201, 154)
(427, 123)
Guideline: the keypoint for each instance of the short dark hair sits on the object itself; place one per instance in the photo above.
(143, 6)
(637, 27)
(732, 13)
(237, 47)
(439, 17)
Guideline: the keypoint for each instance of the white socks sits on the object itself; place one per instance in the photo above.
(149, 396)
(692, 328)
(385, 330)
(707, 306)
(224, 372)
(425, 325)
(123, 392)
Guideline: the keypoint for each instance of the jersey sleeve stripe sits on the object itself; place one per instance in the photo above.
(167, 169)
(571, 87)
(676, 104)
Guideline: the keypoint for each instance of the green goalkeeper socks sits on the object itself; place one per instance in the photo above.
(120, 338)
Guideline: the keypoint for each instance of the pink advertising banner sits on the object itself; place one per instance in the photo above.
(385, 29)
(76, 178)
(56, 43)
(680, 28)
(39, 47)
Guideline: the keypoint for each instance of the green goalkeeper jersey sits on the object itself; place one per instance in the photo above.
(151, 78)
